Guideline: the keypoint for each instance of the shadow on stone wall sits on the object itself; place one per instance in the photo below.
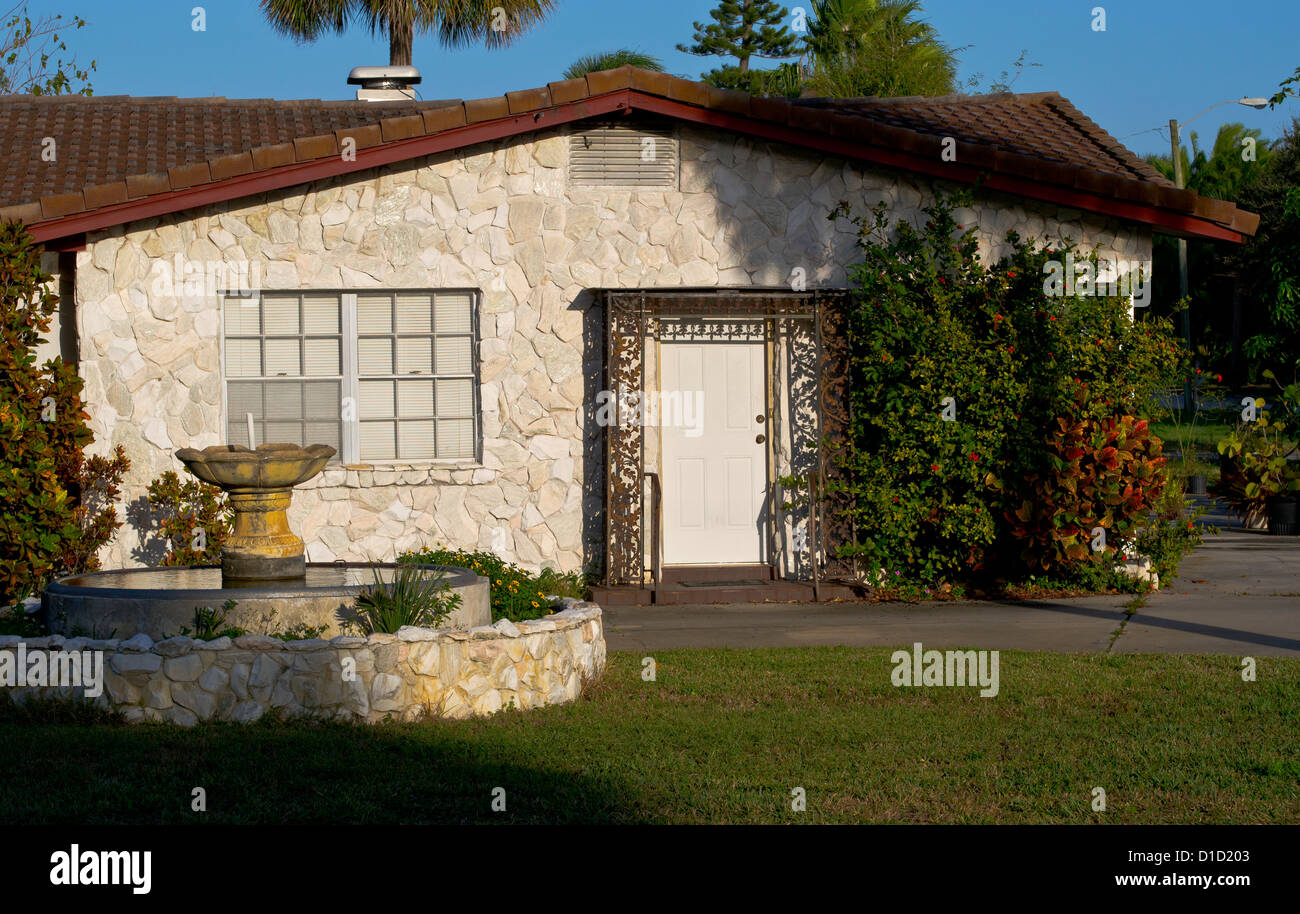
(151, 546)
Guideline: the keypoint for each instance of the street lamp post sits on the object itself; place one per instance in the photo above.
(1175, 147)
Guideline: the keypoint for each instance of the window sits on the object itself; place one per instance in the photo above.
(379, 376)
(605, 155)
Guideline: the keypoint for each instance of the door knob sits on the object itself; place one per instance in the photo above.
(760, 438)
(760, 418)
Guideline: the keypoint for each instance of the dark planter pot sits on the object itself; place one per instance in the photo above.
(1195, 485)
(1282, 516)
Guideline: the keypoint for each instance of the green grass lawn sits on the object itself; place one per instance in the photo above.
(721, 736)
(1200, 437)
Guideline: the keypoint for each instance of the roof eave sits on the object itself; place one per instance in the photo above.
(400, 139)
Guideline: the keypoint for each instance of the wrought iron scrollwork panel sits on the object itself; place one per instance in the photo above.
(835, 527)
(624, 439)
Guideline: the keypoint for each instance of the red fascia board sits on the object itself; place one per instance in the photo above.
(315, 170)
(619, 100)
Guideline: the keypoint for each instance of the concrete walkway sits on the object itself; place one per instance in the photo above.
(1239, 594)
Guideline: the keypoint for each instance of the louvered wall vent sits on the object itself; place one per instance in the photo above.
(608, 155)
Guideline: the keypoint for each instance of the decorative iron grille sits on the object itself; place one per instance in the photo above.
(633, 316)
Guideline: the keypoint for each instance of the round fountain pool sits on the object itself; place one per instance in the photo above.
(161, 601)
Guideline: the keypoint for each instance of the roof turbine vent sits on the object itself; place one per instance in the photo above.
(384, 84)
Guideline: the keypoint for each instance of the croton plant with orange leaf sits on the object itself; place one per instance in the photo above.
(1104, 473)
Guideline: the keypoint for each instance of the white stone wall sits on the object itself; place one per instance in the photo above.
(500, 218)
(411, 674)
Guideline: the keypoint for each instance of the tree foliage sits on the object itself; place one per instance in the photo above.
(612, 60)
(743, 29)
(1286, 89)
(32, 57)
(1265, 268)
(191, 517)
(58, 509)
(876, 48)
(1269, 263)
(457, 23)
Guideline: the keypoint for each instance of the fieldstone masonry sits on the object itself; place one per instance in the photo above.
(418, 671)
(500, 218)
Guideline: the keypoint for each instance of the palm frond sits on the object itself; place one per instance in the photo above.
(612, 60)
(307, 20)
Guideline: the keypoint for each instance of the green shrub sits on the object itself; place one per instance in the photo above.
(1167, 543)
(415, 596)
(95, 482)
(1254, 466)
(516, 594)
(192, 518)
(57, 502)
(929, 321)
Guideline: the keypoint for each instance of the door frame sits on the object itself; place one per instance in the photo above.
(631, 316)
(761, 334)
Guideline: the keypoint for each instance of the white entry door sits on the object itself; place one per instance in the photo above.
(714, 469)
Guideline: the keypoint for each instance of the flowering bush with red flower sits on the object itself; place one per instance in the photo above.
(929, 320)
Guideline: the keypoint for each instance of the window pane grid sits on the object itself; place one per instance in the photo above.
(414, 381)
(415, 372)
(423, 341)
(283, 411)
(284, 366)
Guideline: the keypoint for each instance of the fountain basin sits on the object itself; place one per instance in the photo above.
(159, 602)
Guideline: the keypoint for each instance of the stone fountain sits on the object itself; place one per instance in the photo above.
(259, 485)
(263, 565)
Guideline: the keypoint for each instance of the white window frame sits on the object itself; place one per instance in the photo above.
(350, 435)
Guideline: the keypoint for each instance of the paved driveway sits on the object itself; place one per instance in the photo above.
(1239, 594)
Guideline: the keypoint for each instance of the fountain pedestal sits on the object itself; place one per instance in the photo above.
(261, 546)
(259, 485)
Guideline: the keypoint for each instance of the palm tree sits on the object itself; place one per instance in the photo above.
(612, 60)
(876, 47)
(458, 22)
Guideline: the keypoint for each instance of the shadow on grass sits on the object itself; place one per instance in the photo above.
(69, 765)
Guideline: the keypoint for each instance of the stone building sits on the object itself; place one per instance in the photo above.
(478, 303)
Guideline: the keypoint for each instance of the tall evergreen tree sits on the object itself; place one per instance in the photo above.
(743, 29)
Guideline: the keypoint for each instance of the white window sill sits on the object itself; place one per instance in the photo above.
(368, 475)
(454, 464)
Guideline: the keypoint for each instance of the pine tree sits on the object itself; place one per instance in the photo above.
(742, 29)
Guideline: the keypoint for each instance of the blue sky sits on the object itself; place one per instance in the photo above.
(1157, 59)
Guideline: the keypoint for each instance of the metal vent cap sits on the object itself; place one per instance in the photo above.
(384, 77)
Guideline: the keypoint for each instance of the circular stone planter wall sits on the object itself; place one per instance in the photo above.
(159, 602)
(418, 671)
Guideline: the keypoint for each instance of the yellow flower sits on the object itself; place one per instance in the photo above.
(534, 604)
